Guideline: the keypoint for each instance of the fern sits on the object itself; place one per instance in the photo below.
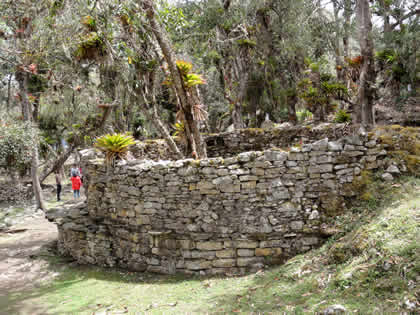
(342, 116)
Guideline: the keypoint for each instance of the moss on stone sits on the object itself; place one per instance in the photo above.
(333, 205)
(403, 144)
(361, 182)
(254, 131)
(195, 163)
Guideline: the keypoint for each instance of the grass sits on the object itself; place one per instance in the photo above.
(370, 267)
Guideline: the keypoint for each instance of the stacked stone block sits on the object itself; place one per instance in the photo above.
(219, 215)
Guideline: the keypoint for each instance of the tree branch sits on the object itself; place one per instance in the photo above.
(400, 20)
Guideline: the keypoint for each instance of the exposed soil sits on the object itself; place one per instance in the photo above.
(20, 266)
(24, 246)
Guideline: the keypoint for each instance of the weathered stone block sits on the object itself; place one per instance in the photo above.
(321, 145)
(231, 188)
(198, 264)
(297, 156)
(258, 171)
(296, 225)
(275, 155)
(209, 255)
(209, 245)
(227, 253)
(249, 185)
(335, 146)
(246, 244)
(324, 168)
(204, 185)
(310, 240)
(281, 194)
(224, 263)
(246, 252)
(246, 178)
(143, 219)
(245, 262)
(264, 252)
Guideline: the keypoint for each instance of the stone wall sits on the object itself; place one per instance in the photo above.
(229, 144)
(220, 215)
(17, 192)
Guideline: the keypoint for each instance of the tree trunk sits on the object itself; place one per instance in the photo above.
(185, 101)
(157, 122)
(238, 121)
(367, 74)
(337, 48)
(347, 26)
(22, 78)
(384, 9)
(164, 132)
(346, 38)
(291, 108)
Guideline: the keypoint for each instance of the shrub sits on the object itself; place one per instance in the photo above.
(342, 116)
(114, 146)
(16, 143)
(304, 114)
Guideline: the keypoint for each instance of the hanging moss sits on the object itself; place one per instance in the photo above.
(246, 42)
(56, 5)
(89, 22)
(91, 46)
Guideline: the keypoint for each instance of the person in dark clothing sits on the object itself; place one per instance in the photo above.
(58, 183)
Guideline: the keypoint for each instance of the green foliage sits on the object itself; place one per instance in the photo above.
(179, 129)
(342, 116)
(246, 42)
(213, 56)
(56, 6)
(386, 55)
(318, 89)
(90, 47)
(192, 79)
(333, 88)
(189, 79)
(184, 66)
(115, 146)
(89, 22)
(16, 143)
(314, 66)
(172, 17)
(303, 115)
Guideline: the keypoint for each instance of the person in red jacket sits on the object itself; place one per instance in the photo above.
(76, 183)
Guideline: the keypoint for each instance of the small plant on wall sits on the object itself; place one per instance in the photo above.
(115, 146)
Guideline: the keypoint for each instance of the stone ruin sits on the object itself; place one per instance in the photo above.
(229, 214)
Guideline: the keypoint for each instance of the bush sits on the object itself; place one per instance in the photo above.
(304, 114)
(342, 116)
(16, 143)
(115, 146)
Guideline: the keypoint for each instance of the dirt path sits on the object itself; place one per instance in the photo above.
(19, 266)
(22, 266)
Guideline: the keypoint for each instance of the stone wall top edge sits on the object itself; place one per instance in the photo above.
(243, 157)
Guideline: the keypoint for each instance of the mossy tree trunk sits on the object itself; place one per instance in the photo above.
(364, 112)
(22, 79)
